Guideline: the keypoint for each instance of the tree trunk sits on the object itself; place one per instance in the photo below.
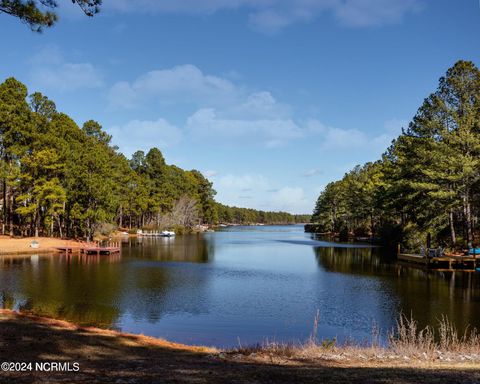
(452, 229)
(5, 212)
(88, 230)
(372, 226)
(468, 219)
(59, 226)
(37, 221)
(10, 213)
(120, 221)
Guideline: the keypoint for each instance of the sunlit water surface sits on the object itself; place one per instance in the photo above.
(242, 285)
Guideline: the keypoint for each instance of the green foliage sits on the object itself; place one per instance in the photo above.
(38, 14)
(59, 179)
(428, 181)
(235, 215)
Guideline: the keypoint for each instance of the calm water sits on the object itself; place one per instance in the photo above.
(244, 284)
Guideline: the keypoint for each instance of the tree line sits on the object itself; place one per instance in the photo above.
(59, 179)
(235, 215)
(427, 183)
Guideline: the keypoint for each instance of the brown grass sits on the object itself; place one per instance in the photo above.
(406, 344)
(441, 342)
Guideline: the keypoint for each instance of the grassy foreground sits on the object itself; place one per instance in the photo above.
(111, 357)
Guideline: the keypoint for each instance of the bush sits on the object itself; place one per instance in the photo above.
(413, 238)
(104, 229)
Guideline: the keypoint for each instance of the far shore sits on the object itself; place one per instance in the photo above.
(106, 356)
(23, 245)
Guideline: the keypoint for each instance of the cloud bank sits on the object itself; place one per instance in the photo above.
(270, 16)
(51, 71)
(225, 113)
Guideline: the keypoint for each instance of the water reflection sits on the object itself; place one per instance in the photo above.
(99, 289)
(426, 294)
(188, 248)
(248, 283)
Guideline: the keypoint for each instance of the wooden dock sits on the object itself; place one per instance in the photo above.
(450, 262)
(91, 249)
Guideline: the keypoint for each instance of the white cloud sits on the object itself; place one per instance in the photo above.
(50, 70)
(291, 199)
(260, 105)
(394, 126)
(365, 13)
(272, 15)
(235, 183)
(312, 172)
(269, 132)
(142, 135)
(221, 109)
(234, 115)
(180, 84)
(210, 173)
(255, 191)
(332, 138)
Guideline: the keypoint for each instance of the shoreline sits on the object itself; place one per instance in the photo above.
(112, 356)
(21, 246)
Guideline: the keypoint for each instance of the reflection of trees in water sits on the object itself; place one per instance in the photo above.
(188, 248)
(155, 289)
(7, 300)
(426, 294)
(98, 289)
(67, 287)
(353, 260)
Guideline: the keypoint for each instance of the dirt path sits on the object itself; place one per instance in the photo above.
(111, 357)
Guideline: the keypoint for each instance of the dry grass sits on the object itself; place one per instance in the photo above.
(114, 357)
(441, 342)
(405, 344)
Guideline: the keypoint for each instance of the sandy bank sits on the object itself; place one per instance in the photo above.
(10, 245)
(111, 357)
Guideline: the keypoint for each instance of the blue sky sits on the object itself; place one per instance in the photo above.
(271, 99)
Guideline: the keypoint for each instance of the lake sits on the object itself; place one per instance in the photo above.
(238, 286)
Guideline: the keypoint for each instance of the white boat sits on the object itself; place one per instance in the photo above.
(168, 233)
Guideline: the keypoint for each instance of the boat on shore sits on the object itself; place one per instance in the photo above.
(155, 233)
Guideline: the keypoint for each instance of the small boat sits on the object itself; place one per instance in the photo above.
(168, 233)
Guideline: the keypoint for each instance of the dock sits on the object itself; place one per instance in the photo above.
(91, 249)
(450, 262)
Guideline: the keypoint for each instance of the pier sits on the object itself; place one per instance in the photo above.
(94, 249)
(447, 262)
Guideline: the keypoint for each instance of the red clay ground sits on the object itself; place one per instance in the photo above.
(10, 245)
(111, 357)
